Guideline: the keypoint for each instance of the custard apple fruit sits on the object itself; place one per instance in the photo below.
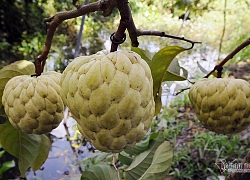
(222, 104)
(33, 104)
(111, 97)
(22, 67)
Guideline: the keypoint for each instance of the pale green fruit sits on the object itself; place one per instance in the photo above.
(222, 104)
(111, 97)
(22, 67)
(33, 104)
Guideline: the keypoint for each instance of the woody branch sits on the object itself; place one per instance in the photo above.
(107, 7)
(219, 67)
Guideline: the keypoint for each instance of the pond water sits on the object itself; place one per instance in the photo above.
(63, 159)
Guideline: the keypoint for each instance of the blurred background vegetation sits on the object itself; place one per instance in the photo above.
(219, 25)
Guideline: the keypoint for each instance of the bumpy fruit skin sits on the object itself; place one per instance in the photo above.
(111, 97)
(222, 105)
(33, 104)
(22, 67)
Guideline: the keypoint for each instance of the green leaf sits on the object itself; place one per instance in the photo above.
(170, 76)
(124, 158)
(139, 147)
(160, 63)
(98, 157)
(17, 68)
(6, 166)
(185, 72)
(143, 161)
(100, 172)
(161, 163)
(174, 70)
(158, 103)
(43, 150)
(1, 153)
(174, 66)
(30, 149)
(145, 54)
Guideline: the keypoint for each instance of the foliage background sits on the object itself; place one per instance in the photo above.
(22, 31)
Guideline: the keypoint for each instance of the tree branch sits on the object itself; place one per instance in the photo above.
(163, 34)
(106, 6)
(219, 67)
(126, 22)
(53, 22)
(224, 27)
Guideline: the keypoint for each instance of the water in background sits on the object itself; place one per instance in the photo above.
(62, 161)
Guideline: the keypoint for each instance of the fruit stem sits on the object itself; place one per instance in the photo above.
(113, 164)
(126, 22)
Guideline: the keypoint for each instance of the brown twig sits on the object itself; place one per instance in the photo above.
(126, 22)
(182, 90)
(163, 34)
(106, 6)
(224, 27)
(219, 67)
(54, 21)
(66, 113)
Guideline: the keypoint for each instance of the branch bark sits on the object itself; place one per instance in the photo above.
(219, 67)
(126, 22)
(106, 6)
(163, 34)
(53, 22)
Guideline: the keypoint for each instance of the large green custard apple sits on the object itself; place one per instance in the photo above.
(111, 97)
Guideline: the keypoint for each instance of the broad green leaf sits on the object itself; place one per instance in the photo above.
(185, 72)
(100, 172)
(17, 68)
(202, 68)
(1, 153)
(139, 147)
(174, 66)
(154, 136)
(161, 163)
(170, 76)
(143, 161)
(124, 158)
(174, 71)
(159, 65)
(158, 103)
(6, 166)
(145, 54)
(44, 146)
(30, 149)
(98, 157)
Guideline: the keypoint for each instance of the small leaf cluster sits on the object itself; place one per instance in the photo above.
(150, 159)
